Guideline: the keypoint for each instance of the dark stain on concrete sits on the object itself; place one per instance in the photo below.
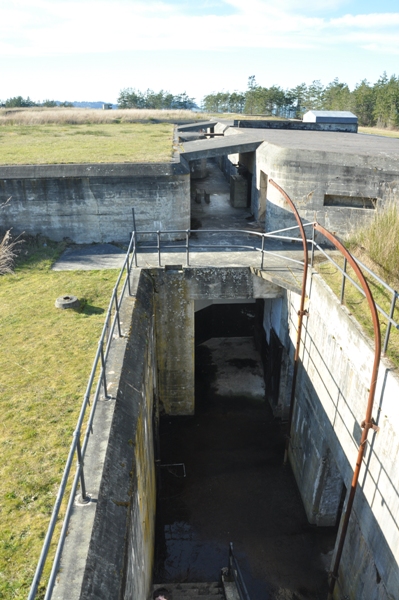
(241, 363)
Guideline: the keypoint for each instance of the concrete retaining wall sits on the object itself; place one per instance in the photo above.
(295, 125)
(331, 398)
(93, 202)
(120, 557)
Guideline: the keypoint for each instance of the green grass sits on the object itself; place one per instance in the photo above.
(379, 241)
(85, 143)
(45, 360)
(358, 306)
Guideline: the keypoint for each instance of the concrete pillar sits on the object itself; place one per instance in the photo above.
(175, 342)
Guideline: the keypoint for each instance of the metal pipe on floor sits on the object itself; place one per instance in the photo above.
(301, 313)
(368, 422)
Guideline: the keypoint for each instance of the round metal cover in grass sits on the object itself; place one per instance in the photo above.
(67, 301)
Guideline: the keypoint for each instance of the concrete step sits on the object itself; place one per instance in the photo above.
(193, 591)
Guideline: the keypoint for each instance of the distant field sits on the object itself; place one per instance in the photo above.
(375, 131)
(81, 116)
(76, 135)
(86, 143)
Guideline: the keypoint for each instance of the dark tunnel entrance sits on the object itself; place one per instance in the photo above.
(222, 475)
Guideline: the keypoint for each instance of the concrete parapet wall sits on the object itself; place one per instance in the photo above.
(120, 558)
(331, 399)
(295, 125)
(93, 203)
(308, 176)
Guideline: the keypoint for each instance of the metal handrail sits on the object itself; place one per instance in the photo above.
(345, 276)
(234, 572)
(187, 246)
(78, 450)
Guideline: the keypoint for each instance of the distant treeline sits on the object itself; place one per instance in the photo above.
(132, 98)
(19, 101)
(374, 104)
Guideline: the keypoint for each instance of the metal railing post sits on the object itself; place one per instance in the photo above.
(128, 267)
(263, 251)
(187, 247)
(134, 238)
(313, 245)
(80, 463)
(343, 281)
(159, 247)
(103, 371)
(117, 313)
(389, 324)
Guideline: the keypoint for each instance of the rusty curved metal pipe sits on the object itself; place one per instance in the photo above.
(301, 313)
(368, 423)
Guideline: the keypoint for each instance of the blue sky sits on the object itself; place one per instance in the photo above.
(91, 49)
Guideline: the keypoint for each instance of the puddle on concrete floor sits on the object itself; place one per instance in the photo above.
(236, 489)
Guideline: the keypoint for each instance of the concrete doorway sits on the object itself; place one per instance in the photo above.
(210, 203)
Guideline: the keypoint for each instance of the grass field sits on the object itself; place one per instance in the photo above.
(394, 133)
(73, 135)
(85, 116)
(358, 306)
(86, 143)
(45, 360)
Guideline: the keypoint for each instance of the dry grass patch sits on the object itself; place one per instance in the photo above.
(357, 303)
(379, 241)
(376, 245)
(54, 144)
(45, 360)
(378, 131)
(85, 116)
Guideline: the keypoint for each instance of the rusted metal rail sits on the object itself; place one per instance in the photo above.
(368, 422)
(301, 313)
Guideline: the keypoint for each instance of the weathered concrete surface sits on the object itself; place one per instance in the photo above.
(198, 126)
(94, 202)
(331, 398)
(175, 341)
(175, 292)
(241, 142)
(296, 125)
(90, 257)
(309, 165)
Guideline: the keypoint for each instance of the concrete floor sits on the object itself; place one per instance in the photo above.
(218, 214)
(236, 488)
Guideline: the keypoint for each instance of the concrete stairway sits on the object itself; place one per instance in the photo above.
(193, 591)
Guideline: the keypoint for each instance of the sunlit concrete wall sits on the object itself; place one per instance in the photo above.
(93, 202)
(308, 175)
(331, 398)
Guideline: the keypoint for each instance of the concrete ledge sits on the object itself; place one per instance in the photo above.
(296, 125)
(91, 170)
(98, 560)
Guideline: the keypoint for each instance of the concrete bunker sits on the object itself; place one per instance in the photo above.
(158, 375)
(118, 560)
